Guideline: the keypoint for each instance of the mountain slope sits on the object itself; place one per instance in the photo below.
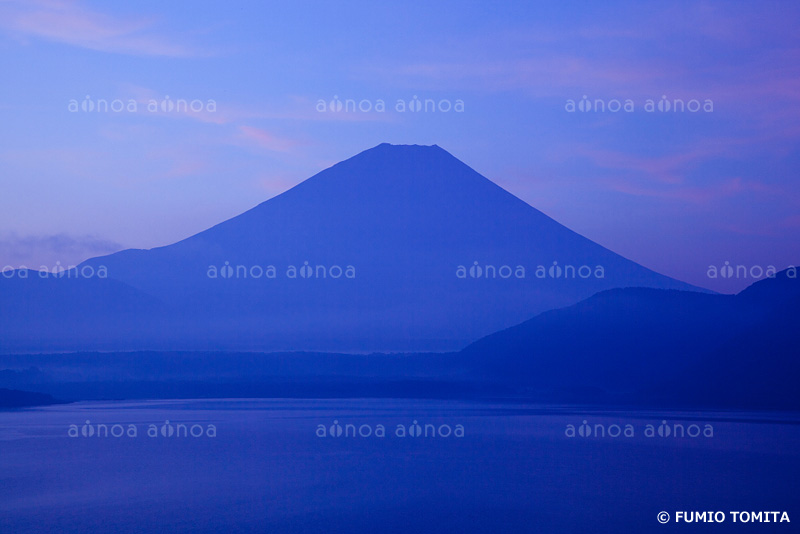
(399, 220)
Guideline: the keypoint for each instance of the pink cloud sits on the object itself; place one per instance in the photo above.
(266, 140)
(694, 194)
(70, 23)
(667, 176)
(664, 169)
(542, 62)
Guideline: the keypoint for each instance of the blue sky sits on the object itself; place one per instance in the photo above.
(674, 191)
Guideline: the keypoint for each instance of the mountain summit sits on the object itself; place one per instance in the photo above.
(397, 248)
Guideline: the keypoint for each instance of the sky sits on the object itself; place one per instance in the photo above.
(216, 107)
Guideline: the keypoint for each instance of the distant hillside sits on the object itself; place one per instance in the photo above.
(636, 347)
(12, 398)
(647, 346)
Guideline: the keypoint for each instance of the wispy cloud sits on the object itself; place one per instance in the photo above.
(64, 249)
(625, 58)
(674, 175)
(669, 168)
(698, 194)
(69, 22)
(266, 140)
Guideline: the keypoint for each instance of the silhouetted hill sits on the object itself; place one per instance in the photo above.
(11, 398)
(647, 346)
(756, 365)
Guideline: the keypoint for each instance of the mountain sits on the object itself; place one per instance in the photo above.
(660, 347)
(397, 248)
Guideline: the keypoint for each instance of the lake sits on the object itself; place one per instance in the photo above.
(387, 465)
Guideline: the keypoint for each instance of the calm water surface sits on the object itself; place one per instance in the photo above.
(279, 466)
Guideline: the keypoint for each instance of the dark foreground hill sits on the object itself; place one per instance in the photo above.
(655, 347)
